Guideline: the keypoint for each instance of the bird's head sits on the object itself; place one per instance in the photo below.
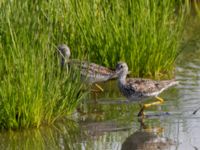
(64, 51)
(121, 69)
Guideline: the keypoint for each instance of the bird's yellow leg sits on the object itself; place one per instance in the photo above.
(141, 113)
(160, 101)
(99, 87)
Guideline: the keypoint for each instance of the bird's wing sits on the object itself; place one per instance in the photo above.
(100, 69)
(91, 68)
(146, 86)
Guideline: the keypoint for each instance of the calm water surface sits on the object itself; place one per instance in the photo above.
(110, 123)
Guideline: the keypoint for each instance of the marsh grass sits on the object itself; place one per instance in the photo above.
(44, 137)
(33, 88)
(197, 7)
(145, 34)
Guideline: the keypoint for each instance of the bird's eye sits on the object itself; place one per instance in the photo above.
(120, 66)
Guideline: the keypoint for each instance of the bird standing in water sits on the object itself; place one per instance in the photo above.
(138, 89)
(91, 72)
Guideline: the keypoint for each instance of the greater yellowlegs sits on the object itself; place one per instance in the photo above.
(138, 89)
(91, 72)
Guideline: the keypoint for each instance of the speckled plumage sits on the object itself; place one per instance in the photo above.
(91, 72)
(138, 89)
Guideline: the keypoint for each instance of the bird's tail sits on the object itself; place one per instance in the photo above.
(170, 83)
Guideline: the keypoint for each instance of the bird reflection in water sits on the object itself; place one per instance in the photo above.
(147, 139)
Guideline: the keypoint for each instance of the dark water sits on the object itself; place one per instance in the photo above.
(111, 123)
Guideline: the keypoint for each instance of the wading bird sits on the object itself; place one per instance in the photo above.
(90, 72)
(138, 89)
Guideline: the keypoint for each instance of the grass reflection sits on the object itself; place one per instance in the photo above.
(63, 135)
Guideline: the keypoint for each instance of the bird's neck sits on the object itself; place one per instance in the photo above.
(64, 61)
(122, 79)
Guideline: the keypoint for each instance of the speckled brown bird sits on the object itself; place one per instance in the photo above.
(90, 72)
(139, 89)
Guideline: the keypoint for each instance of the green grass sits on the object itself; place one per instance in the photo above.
(145, 34)
(45, 137)
(197, 7)
(33, 89)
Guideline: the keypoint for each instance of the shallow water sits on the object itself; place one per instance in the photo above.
(110, 122)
